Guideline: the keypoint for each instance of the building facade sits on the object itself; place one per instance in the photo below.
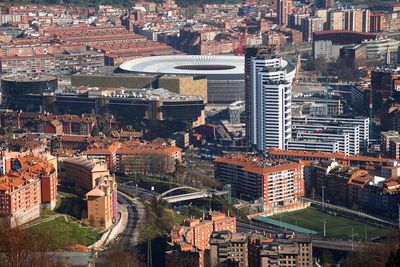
(273, 185)
(92, 179)
(27, 184)
(270, 102)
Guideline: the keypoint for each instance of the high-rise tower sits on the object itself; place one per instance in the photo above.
(270, 102)
(283, 9)
(250, 53)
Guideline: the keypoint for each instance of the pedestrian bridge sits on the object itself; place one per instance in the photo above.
(198, 194)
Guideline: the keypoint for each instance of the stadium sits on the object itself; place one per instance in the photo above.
(225, 74)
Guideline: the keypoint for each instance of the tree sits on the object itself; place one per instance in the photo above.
(394, 259)
(320, 65)
(25, 247)
(121, 259)
(384, 254)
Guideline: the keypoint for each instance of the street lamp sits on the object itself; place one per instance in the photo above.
(323, 197)
(324, 227)
(352, 238)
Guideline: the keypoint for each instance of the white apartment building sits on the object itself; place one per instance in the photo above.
(314, 145)
(271, 93)
(342, 137)
(353, 131)
(345, 124)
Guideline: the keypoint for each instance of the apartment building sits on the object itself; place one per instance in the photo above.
(309, 25)
(284, 8)
(384, 141)
(27, 64)
(360, 135)
(336, 20)
(282, 249)
(358, 188)
(273, 184)
(260, 250)
(347, 136)
(73, 61)
(27, 184)
(192, 238)
(377, 22)
(65, 124)
(340, 157)
(104, 154)
(137, 157)
(314, 145)
(228, 248)
(92, 179)
(81, 173)
(102, 203)
(394, 148)
(270, 102)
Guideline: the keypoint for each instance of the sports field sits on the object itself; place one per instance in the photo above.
(336, 226)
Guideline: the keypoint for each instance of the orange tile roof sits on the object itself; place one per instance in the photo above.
(256, 164)
(4, 187)
(342, 156)
(96, 192)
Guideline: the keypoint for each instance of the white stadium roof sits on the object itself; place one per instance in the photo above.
(187, 64)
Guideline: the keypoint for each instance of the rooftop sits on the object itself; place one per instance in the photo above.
(256, 164)
(187, 64)
(29, 78)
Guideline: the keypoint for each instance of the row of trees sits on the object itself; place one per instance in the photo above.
(26, 247)
(386, 254)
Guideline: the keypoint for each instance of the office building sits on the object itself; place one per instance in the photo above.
(377, 49)
(260, 180)
(317, 106)
(270, 102)
(354, 56)
(339, 138)
(383, 85)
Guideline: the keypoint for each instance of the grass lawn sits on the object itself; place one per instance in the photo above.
(65, 234)
(338, 227)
